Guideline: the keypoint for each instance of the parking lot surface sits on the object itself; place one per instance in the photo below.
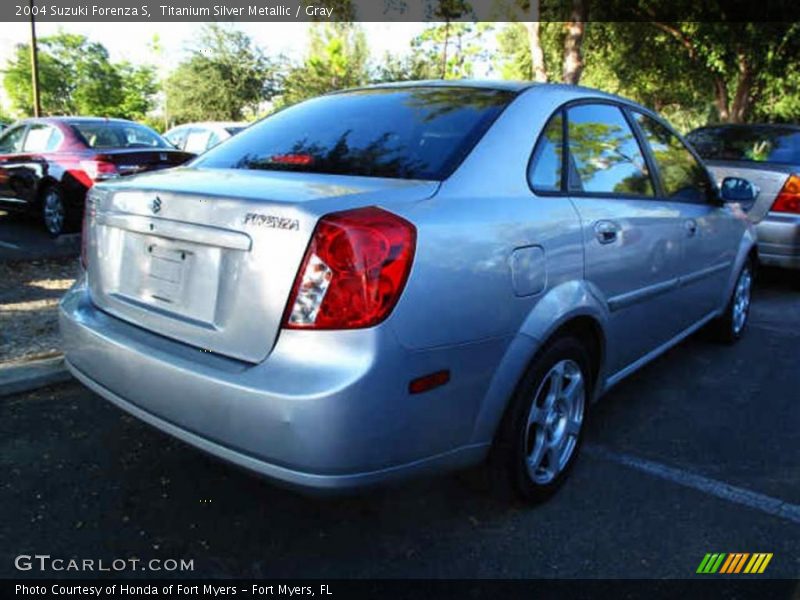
(23, 237)
(698, 452)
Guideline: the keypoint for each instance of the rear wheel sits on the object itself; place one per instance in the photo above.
(541, 434)
(54, 211)
(730, 326)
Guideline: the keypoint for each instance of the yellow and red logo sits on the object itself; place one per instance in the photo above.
(734, 563)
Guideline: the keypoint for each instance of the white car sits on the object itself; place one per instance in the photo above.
(199, 137)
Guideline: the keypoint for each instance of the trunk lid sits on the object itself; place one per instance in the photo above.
(132, 161)
(769, 178)
(208, 257)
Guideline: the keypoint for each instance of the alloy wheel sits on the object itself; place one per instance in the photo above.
(554, 421)
(741, 300)
(54, 214)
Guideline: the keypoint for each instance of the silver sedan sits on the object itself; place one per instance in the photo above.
(769, 157)
(406, 278)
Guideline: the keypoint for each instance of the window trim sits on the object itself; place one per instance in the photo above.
(565, 191)
(655, 173)
(533, 157)
(710, 192)
(46, 125)
(24, 127)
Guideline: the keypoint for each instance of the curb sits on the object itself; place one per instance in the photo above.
(24, 377)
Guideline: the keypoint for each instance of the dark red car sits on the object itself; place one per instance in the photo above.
(47, 164)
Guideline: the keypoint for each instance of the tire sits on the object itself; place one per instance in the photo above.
(542, 432)
(54, 212)
(730, 327)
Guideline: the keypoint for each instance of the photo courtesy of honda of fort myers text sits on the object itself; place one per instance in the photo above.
(420, 298)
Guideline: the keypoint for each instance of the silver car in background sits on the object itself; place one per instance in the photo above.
(199, 137)
(406, 278)
(769, 157)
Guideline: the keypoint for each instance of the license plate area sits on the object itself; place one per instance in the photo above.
(174, 277)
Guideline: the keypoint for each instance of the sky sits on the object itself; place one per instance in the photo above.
(128, 41)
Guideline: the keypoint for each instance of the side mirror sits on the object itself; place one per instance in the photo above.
(736, 189)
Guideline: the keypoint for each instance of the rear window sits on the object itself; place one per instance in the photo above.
(117, 135)
(416, 133)
(759, 144)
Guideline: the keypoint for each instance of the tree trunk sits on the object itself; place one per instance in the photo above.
(742, 99)
(721, 99)
(573, 57)
(535, 42)
(444, 49)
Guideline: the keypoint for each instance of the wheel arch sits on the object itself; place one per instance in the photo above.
(585, 317)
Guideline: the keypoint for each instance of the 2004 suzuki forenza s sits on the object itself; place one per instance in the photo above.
(406, 277)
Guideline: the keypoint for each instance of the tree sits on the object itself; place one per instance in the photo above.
(573, 42)
(742, 60)
(224, 77)
(139, 87)
(449, 50)
(336, 58)
(77, 77)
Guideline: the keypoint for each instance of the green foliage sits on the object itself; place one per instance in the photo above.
(336, 58)
(692, 73)
(448, 50)
(225, 78)
(77, 77)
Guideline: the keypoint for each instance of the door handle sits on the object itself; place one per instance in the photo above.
(691, 227)
(606, 232)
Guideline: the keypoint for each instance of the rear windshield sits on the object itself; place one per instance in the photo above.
(118, 135)
(416, 133)
(759, 144)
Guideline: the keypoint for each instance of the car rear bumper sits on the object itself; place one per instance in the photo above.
(779, 240)
(321, 413)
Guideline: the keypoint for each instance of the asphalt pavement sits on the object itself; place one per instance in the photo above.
(698, 452)
(23, 237)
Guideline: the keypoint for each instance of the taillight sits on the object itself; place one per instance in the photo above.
(99, 170)
(788, 199)
(353, 272)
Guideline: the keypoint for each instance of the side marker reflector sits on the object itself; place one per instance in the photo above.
(428, 382)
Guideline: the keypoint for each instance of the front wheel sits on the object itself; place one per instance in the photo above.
(730, 326)
(542, 432)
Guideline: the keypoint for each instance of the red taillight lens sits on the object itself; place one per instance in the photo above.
(788, 199)
(353, 272)
(98, 170)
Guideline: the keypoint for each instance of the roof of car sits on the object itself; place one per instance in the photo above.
(495, 84)
(78, 119)
(783, 126)
(212, 124)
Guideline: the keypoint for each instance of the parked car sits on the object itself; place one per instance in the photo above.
(199, 137)
(47, 164)
(769, 156)
(406, 278)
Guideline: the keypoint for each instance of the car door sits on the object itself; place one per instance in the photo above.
(631, 237)
(10, 147)
(710, 233)
(29, 166)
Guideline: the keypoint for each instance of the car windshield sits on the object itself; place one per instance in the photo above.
(113, 134)
(760, 144)
(409, 133)
(234, 130)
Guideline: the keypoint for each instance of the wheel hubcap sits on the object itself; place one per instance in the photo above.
(53, 213)
(554, 422)
(741, 300)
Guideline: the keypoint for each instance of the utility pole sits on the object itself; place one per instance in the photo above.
(37, 107)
